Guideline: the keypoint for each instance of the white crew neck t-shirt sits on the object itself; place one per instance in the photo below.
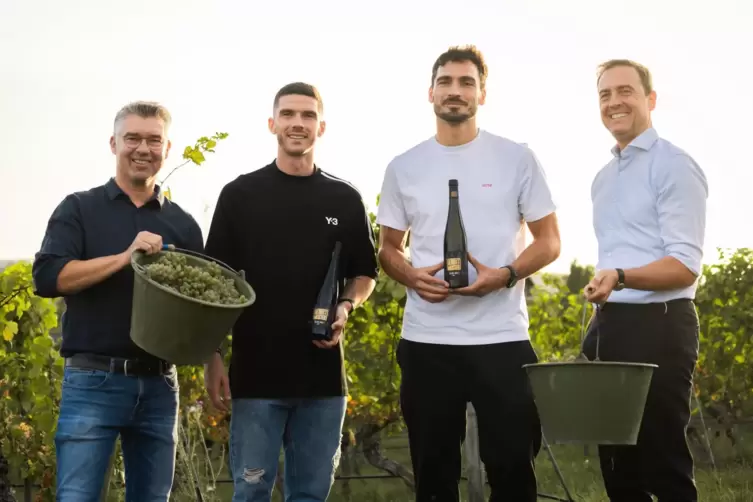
(501, 185)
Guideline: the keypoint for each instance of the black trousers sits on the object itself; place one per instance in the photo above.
(665, 334)
(437, 383)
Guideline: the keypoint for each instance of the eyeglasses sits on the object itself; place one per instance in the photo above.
(135, 142)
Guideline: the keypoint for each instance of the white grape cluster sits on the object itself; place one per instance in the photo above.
(204, 283)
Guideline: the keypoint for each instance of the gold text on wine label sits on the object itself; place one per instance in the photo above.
(453, 264)
(321, 315)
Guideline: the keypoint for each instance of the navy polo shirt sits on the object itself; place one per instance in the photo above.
(104, 222)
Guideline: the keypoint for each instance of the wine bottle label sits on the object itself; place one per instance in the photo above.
(453, 264)
(321, 315)
(454, 194)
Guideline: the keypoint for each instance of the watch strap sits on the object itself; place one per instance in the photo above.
(620, 278)
(513, 277)
(352, 303)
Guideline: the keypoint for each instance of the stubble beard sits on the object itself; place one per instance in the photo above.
(454, 118)
(293, 153)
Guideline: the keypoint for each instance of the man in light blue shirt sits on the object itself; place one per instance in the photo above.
(649, 216)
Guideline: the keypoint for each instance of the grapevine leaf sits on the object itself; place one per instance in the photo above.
(10, 330)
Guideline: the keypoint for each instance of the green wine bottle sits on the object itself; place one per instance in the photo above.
(325, 309)
(455, 243)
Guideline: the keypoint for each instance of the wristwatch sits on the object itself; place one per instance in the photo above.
(620, 279)
(513, 277)
(352, 303)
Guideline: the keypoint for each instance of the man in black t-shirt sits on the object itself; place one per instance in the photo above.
(280, 224)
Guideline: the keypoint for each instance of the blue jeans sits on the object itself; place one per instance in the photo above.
(310, 431)
(96, 406)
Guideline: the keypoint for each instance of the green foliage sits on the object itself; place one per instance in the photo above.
(556, 316)
(725, 307)
(579, 277)
(30, 385)
(370, 342)
(204, 144)
(195, 153)
(556, 310)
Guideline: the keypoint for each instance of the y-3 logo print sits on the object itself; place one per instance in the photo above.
(331, 220)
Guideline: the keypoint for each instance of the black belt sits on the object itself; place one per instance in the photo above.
(663, 306)
(128, 367)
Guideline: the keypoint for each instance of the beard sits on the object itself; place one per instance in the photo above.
(454, 117)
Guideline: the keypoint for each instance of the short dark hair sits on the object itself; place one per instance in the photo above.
(144, 109)
(643, 73)
(459, 54)
(302, 89)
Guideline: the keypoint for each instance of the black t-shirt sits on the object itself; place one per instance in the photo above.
(281, 230)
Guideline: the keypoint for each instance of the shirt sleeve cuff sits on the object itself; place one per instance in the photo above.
(389, 221)
(45, 273)
(540, 213)
(368, 271)
(688, 256)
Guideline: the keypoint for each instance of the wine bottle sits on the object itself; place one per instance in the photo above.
(455, 243)
(325, 309)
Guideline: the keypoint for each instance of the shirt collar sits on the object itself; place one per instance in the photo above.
(643, 141)
(114, 191)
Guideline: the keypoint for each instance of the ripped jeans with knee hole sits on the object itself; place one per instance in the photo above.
(309, 431)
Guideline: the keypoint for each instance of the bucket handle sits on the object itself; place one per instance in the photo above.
(171, 247)
(597, 309)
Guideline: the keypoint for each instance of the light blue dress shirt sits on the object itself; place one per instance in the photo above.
(649, 202)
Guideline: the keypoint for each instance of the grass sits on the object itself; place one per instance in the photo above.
(731, 482)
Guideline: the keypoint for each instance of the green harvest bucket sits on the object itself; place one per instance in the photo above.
(174, 327)
(596, 402)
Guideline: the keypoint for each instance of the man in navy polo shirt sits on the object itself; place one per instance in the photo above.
(110, 385)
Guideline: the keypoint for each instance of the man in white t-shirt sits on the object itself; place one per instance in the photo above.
(467, 344)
